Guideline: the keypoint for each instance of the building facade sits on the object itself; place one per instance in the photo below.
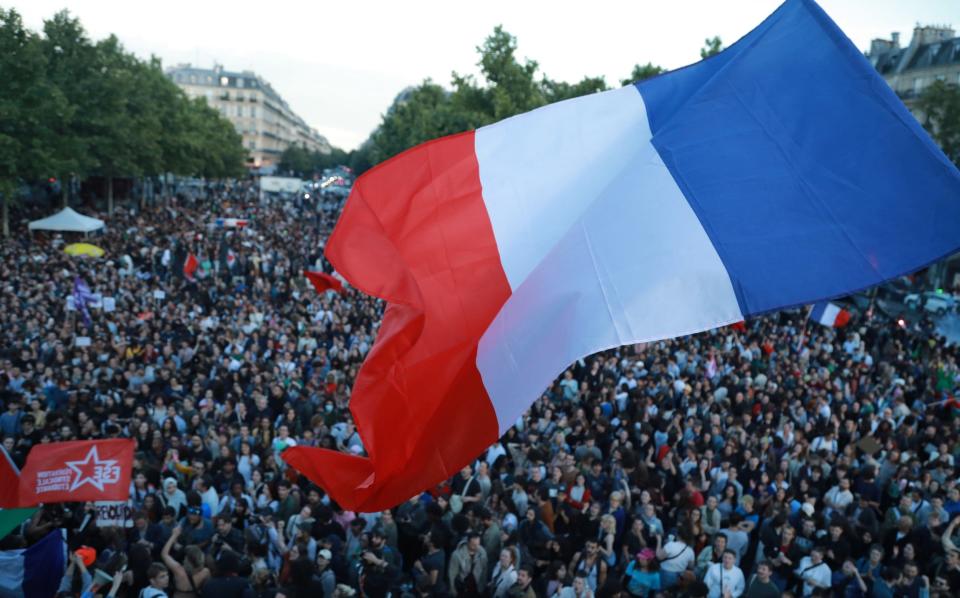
(932, 55)
(260, 115)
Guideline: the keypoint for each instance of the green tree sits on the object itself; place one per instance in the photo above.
(556, 91)
(32, 111)
(507, 87)
(643, 71)
(711, 47)
(425, 113)
(125, 125)
(73, 67)
(940, 107)
(296, 158)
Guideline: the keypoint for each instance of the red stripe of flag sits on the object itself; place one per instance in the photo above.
(415, 231)
(322, 281)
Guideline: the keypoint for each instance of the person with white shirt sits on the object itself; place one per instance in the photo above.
(725, 579)
(676, 557)
(839, 497)
(814, 573)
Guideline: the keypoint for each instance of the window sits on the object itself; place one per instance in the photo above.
(239, 81)
(240, 111)
(253, 112)
(917, 84)
(193, 78)
(224, 81)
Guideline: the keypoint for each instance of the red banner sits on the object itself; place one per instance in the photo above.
(77, 471)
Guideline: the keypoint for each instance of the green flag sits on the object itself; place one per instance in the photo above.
(11, 518)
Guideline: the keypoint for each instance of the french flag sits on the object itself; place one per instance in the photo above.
(829, 314)
(781, 172)
(230, 222)
(34, 572)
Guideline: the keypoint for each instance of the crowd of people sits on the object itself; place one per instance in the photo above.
(774, 458)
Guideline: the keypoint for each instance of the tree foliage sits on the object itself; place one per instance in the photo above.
(643, 71)
(298, 160)
(70, 106)
(507, 86)
(940, 105)
(711, 47)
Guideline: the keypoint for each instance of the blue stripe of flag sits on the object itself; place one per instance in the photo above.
(809, 175)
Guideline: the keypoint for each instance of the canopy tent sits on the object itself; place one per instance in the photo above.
(69, 221)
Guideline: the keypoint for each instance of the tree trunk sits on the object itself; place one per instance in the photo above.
(110, 196)
(6, 215)
(65, 190)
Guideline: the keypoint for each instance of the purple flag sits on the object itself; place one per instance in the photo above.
(82, 297)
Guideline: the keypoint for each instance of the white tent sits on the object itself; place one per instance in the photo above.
(69, 221)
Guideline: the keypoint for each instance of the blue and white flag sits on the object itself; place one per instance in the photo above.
(34, 572)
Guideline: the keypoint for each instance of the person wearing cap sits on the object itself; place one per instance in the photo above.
(328, 581)
(642, 576)
(196, 529)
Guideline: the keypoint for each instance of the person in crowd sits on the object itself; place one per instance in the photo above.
(761, 584)
(803, 449)
(725, 579)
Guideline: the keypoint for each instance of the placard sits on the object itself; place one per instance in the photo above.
(113, 514)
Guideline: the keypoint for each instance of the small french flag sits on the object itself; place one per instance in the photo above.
(830, 314)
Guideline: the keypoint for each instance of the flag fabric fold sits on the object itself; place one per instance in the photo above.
(781, 172)
(322, 281)
(34, 572)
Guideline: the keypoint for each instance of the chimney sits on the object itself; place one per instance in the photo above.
(895, 37)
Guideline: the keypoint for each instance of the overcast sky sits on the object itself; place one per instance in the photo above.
(340, 64)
